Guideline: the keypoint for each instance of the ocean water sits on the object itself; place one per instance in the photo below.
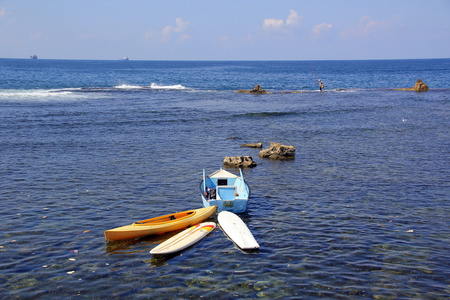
(361, 212)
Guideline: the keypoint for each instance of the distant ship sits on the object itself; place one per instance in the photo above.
(34, 56)
(125, 58)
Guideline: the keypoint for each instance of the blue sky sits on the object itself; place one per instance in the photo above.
(225, 30)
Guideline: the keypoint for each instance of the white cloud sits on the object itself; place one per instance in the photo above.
(293, 18)
(277, 25)
(2, 11)
(318, 29)
(273, 24)
(368, 27)
(181, 28)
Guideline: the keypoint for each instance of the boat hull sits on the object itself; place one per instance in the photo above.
(160, 225)
(236, 206)
(184, 239)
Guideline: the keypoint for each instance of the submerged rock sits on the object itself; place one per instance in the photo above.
(256, 90)
(252, 145)
(262, 285)
(239, 161)
(278, 151)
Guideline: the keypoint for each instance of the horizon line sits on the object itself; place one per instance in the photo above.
(221, 60)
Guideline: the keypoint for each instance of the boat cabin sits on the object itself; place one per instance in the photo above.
(223, 185)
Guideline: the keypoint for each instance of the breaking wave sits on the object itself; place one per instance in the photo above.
(167, 87)
(128, 87)
(37, 95)
(46, 95)
(153, 86)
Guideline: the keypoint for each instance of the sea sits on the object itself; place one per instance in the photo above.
(362, 212)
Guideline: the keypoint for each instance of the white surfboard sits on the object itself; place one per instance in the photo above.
(237, 231)
(184, 239)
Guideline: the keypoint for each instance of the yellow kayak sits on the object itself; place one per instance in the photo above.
(160, 225)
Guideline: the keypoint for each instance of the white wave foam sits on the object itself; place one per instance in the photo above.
(40, 95)
(152, 86)
(167, 87)
(128, 87)
(32, 93)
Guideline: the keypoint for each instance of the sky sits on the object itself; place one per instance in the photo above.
(225, 30)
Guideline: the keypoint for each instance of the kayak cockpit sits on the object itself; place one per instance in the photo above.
(165, 219)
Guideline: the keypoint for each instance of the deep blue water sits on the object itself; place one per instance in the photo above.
(362, 212)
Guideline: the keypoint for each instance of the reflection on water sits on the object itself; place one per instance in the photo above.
(129, 246)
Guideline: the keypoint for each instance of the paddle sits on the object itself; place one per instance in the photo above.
(204, 182)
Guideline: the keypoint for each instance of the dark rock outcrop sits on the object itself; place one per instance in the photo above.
(239, 161)
(252, 145)
(257, 90)
(278, 151)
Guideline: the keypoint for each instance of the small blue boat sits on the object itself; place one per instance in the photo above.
(226, 190)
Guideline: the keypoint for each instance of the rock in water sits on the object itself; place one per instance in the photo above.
(239, 161)
(278, 151)
(252, 145)
(256, 90)
(420, 86)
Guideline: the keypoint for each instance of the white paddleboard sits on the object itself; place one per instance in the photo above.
(184, 239)
(237, 231)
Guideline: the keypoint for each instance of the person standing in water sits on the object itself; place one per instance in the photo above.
(321, 86)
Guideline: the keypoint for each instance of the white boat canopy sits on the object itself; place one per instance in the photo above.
(222, 174)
